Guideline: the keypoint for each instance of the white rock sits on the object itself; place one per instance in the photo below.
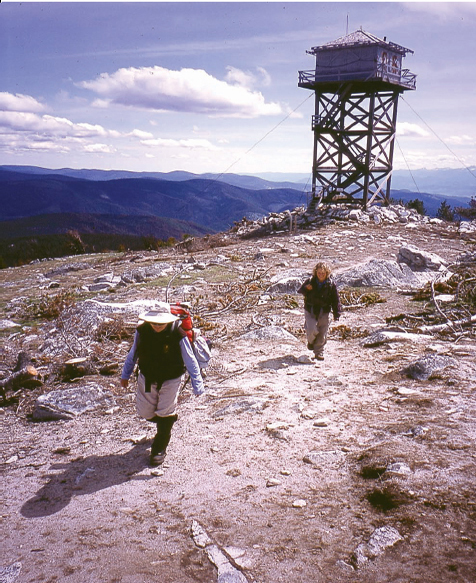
(404, 392)
(399, 469)
(5, 324)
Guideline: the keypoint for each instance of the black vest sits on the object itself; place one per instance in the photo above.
(321, 296)
(159, 354)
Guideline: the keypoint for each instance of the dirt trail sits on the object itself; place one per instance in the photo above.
(289, 466)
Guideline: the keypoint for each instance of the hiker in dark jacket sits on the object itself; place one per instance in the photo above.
(320, 299)
(163, 352)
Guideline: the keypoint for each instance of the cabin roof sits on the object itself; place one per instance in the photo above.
(359, 38)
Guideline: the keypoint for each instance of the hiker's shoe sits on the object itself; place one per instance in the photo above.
(157, 459)
(319, 357)
(309, 346)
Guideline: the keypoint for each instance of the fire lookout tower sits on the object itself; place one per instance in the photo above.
(357, 81)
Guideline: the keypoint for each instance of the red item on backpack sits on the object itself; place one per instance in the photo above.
(181, 310)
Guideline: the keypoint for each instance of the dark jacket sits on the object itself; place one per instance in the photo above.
(322, 296)
(159, 354)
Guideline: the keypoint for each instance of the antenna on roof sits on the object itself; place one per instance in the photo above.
(347, 27)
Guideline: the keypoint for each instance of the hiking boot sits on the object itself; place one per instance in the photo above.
(319, 357)
(157, 459)
(309, 346)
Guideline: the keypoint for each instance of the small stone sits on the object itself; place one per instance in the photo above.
(406, 392)
(304, 359)
(199, 535)
(112, 410)
(134, 440)
(157, 472)
(285, 472)
(62, 450)
(308, 414)
(273, 482)
(126, 510)
(323, 422)
(399, 469)
(272, 427)
(299, 503)
(345, 566)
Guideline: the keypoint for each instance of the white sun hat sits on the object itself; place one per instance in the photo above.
(160, 315)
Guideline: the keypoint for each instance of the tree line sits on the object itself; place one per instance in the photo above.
(23, 250)
(445, 211)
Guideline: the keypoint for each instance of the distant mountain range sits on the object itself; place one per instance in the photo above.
(38, 201)
(203, 205)
(447, 182)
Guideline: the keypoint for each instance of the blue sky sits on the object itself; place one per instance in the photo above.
(212, 87)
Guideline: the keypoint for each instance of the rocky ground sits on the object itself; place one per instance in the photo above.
(359, 468)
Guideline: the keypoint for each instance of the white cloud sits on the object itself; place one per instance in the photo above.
(265, 77)
(444, 11)
(247, 79)
(98, 149)
(187, 90)
(430, 160)
(18, 102)
(190, 144)
(24, 129)
(463, 140)
(239, 77)
(141, 135)
(48, 125)
(411, 130)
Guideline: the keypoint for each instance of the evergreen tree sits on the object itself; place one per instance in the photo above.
(445, 212)
(417, 205)
(468, 213)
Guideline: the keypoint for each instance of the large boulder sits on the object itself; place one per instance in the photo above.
(378, 273)
(69, 403)
(268, 333)
(419, 260)
(381, 539)
(288, 282)
(428, 366)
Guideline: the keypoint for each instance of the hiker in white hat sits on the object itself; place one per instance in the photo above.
(163, 353)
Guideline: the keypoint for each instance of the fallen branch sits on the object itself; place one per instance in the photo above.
(20, 378)
(438, 309)
(440, 327)
(257, 323)
(186, 268)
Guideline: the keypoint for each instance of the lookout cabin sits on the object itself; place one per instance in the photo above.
(358, 56)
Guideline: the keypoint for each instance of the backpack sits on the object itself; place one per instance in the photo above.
(201, 346)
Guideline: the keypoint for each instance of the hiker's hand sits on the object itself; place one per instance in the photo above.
(309, 287)
(124, 383)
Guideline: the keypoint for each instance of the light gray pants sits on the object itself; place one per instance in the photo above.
(316, 330)
(157, 403)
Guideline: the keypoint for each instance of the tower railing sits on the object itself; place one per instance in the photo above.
(381, 72)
